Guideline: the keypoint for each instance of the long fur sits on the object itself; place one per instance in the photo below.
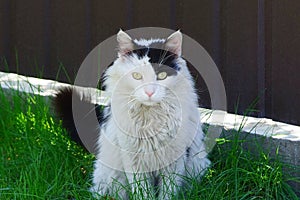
(63, 102)
(147, 144)
(63, 107)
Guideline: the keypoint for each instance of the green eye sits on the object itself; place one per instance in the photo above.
(162, 75)
(137, 76)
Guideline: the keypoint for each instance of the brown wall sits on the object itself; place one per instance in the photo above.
(255, 44)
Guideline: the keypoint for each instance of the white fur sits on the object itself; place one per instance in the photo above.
(144, 42)
(146, 139)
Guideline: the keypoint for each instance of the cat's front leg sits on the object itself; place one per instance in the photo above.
(171, 180)
(141, 185)
(169, 186)
(108, 182)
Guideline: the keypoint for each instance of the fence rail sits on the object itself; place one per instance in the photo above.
(255, 43)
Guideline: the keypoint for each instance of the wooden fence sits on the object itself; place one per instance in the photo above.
(255, 43)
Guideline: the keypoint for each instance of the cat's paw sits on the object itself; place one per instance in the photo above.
(96, 192)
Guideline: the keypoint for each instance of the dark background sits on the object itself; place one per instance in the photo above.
(255, 43)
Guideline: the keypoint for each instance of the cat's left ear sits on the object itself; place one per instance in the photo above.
(125, 43)
(174, 43)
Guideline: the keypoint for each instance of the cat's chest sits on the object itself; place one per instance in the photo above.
(149, 131)
(154, 123)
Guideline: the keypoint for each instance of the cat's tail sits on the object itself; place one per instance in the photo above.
(68, 103)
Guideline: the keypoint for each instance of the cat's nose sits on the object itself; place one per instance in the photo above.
(149, 93)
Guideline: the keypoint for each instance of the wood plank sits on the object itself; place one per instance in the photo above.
(285, 61)
(4, 32)
(27, 37)
(240, 41)
(69, 37)
(197, 22)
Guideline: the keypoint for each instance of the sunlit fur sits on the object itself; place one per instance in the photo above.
(153, 140)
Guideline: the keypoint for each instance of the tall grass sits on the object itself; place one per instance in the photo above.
(40, 162)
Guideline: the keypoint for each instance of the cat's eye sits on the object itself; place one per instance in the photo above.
(162, 75)
(137, 76)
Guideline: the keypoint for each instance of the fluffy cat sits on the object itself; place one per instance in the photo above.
(150, 134)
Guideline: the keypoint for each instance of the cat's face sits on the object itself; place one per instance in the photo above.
(146, 71)
(148, 83)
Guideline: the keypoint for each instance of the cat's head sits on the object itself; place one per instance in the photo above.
(147, 71)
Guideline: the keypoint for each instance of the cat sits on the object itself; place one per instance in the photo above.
(150, 134)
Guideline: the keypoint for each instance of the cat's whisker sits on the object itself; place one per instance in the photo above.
(165, 58)
(150, 126)
(162, 58)
(131, 101)
(91, 110)
(128, 104)
(161, 55)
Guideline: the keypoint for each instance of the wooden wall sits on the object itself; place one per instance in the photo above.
(255, 43)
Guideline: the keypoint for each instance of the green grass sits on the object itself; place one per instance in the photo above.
(39, 162)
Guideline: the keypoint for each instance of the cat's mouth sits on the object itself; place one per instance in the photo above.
(149, 103)
(145, 101)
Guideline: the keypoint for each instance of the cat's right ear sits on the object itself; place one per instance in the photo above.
(125, 43)
(174, 43)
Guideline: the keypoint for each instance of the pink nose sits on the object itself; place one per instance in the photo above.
(149, 93)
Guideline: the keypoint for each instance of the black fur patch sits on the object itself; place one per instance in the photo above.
(63, 107)
(103, 113)
(161, 59)
(100, 85)
(188, 152)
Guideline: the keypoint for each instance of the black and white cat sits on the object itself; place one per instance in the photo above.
(151, 137)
